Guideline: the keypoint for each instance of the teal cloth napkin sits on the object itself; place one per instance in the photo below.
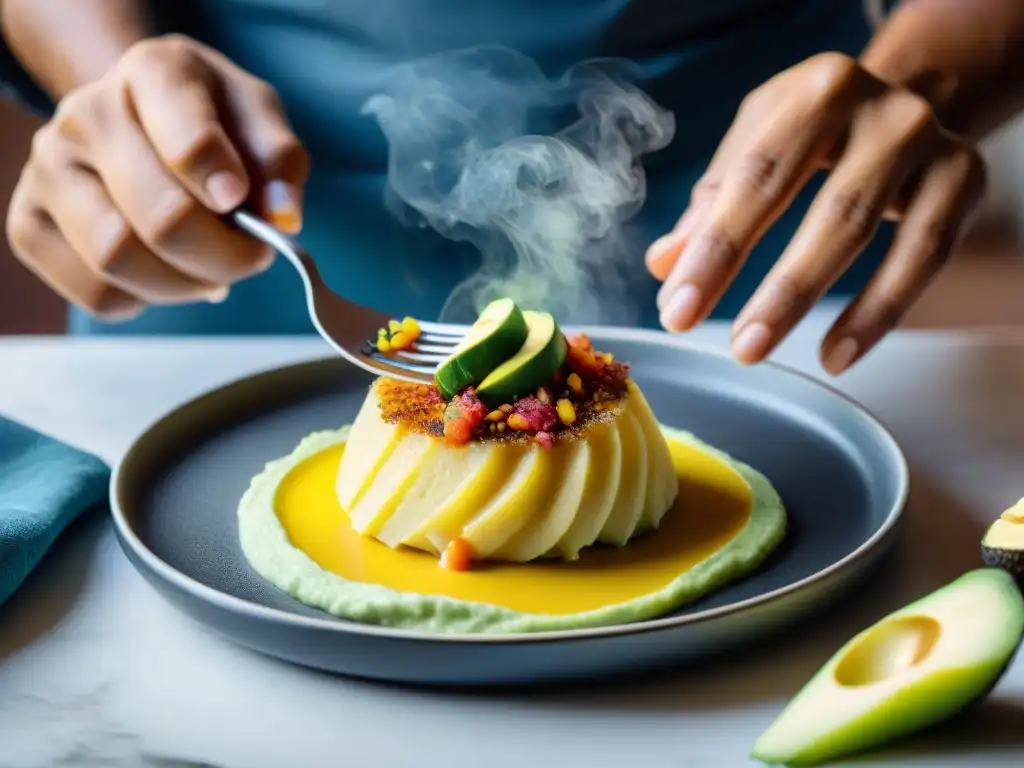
(44, 485)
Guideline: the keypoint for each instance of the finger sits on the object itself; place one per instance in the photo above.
(168, 220)
(887, 140)
(172, 89)
(663, 253)
(96, 230)
(36, 243)
(778, 156)
(949, 191)
(278, 161)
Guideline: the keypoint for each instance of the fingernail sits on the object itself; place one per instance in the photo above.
(751, 343)
(226, 190)
(217, 295)
(682, 309)
(282, 202)
(841, 356)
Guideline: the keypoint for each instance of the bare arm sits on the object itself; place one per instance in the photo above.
(67, 43)
(966, 57)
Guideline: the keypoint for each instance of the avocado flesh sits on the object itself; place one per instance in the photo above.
(541, 354)
(914, 668)
(497, 334)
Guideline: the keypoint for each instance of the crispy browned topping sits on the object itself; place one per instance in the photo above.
(420, 408)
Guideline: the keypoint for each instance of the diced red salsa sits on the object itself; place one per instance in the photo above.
(588, 382)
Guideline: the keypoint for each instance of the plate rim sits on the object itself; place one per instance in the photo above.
(230, 603)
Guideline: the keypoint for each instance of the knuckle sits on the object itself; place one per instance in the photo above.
(170, 51)
(266, 95)
(105, 301)
(854, 212)
(43, 143)
(287, 153)
(883, 313)
(914, 113)
(831, 72)
(971, 169)
(206, 141)
(169, 215)
(789, 298)
(718, 251)
(934, 242)
(705, 188)
(22, 230)
(760, 173)
(113, 241)
(74, 114)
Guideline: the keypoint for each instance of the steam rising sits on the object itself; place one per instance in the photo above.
(539, 174)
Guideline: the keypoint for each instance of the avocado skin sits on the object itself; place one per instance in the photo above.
(1009, 560)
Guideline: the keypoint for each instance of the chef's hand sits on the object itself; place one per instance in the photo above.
(118, 206)
(888, 158)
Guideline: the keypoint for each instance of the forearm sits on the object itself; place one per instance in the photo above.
(66, 43)
(965, 56)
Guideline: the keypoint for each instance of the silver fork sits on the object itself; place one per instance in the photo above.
(350, 328)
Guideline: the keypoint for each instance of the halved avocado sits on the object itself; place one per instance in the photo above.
(914, 668)
(498, 333)
(535, 363)
(1003, 543)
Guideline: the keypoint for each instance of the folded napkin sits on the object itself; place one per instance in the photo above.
(44, 485)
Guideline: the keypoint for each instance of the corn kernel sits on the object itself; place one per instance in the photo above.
(496, 416)
(575, 383)
(501, 426)
(566, 412)
(608, 357)
(383, 345)
(382, 331)
(492, 427)
(544, 395)
(394, 326)
(410, 327)
(518, 422)
(506, 408)
(400, 341)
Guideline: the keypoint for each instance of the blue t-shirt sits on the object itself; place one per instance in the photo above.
(697, 60)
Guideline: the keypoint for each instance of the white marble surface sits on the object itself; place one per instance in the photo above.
(96, 670)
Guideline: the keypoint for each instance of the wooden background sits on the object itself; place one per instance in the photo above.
(983, 286)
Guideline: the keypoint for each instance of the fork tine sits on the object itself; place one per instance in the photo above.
(440, 349)
(417, 356)
(441, 341)
(426, 370)
(443, 329)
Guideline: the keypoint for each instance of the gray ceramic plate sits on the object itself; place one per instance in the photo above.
(841, 475)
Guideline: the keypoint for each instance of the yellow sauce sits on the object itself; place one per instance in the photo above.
(713, 505)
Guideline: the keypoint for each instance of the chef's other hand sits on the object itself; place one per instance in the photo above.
(887, 156)
(119, 204)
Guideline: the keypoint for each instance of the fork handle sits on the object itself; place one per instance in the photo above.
(284, 244)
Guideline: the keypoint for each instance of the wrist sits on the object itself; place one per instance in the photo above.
(65, 44)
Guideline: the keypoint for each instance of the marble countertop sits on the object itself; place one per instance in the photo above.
(96, 670)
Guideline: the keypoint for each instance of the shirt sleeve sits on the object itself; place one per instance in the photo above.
(17, 84)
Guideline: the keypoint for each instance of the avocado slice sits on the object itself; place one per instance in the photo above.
(1003, 543)
(497, 334)
(912, 669)
(541, 354)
